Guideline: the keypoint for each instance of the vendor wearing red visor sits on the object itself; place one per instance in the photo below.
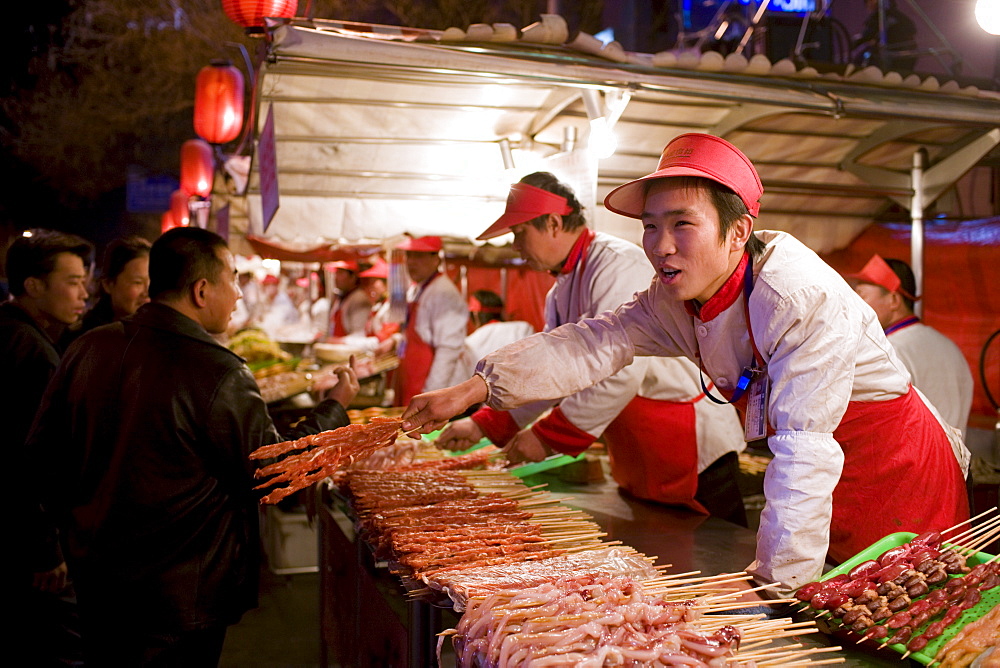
(697, 465)
(782, 336)
(350, 307)
(435, 326)
(937, 366)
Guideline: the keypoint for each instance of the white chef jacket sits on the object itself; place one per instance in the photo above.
(812, 330)
(441, 321)
(609, 274)
(354, 309)
(487, 338)
(938, 369)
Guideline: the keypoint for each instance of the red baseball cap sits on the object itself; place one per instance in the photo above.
(526, 202)
(349, 265)
(421, 245)
(379, 269)
(693, 154)
(878, 272)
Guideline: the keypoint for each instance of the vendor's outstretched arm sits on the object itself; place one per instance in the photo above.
(432, 410)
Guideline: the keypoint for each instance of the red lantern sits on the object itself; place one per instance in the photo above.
(179, 210)
(250, 13)
(197, 168)
(166, 221)
(218, 102)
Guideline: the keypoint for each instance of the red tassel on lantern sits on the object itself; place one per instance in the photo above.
(179, 210)
(250, 13)
(166, 221)
(218, 102)
(197, 168)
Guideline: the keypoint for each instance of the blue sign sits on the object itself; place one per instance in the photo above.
(149, 194)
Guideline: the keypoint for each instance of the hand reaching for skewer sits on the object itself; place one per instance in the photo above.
(432, 410)
(340, 384)
(526, 447)
(460, 435)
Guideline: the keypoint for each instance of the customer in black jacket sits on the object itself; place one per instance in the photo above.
(147, 425)
(48, 286)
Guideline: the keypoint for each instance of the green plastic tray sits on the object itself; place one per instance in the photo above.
(991, 598)
(521, 470)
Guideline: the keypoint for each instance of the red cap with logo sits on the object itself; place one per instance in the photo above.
(421, 245)
(526, 202)
(878, 272)
(694, 154)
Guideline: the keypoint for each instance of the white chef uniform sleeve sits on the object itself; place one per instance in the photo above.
(444, 315)
(811, 339)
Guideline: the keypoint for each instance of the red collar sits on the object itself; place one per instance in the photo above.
(902, 324)
(578, 252)
(725, 297)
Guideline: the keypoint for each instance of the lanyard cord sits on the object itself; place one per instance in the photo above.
(749, 372)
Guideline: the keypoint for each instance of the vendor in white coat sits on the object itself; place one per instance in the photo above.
(937, 366)
(435, 326)
(667, 442)
(858, 453)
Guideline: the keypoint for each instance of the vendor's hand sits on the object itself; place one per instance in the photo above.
(526, 447)
(340, 384)
(51, 582)
(432, 410)
(459, 435)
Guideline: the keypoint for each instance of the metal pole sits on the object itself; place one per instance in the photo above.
(917, 227)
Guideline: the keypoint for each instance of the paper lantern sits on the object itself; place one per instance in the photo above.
(197, 167)
(250, 13)
(179, 210)
(218, 102)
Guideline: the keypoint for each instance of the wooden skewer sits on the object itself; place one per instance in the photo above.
(742, 654)
(780, 657)
(983, 540)
(962, 524)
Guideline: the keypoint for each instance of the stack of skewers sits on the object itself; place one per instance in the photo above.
(917, 595)
(536, 582)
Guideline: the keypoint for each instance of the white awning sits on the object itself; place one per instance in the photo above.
(379, 136)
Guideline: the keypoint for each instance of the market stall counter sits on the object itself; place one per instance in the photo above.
(367, 618)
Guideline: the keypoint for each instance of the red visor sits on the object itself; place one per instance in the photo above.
(524, 203)
(349, 265)
(379, 269)
(878, 272)
(421, 245)
(694, 154)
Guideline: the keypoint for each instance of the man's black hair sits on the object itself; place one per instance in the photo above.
(182, 257)
(548, 181)
(34, 255)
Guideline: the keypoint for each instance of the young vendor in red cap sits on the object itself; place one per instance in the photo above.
(349, 311)
(783, 337)
(596, 272)
(435, 326)
(936, 365)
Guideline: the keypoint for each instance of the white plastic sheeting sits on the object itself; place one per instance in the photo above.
(381, 136)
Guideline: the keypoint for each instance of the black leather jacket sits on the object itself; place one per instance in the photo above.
(146, 428)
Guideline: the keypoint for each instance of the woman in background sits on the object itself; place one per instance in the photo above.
(124, 282)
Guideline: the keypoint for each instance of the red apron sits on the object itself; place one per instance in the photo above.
(650, 465)
(337, 328)
(900, 474)
(415, 362)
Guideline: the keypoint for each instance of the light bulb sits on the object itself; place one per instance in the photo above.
(602, 140)
(988, 15)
